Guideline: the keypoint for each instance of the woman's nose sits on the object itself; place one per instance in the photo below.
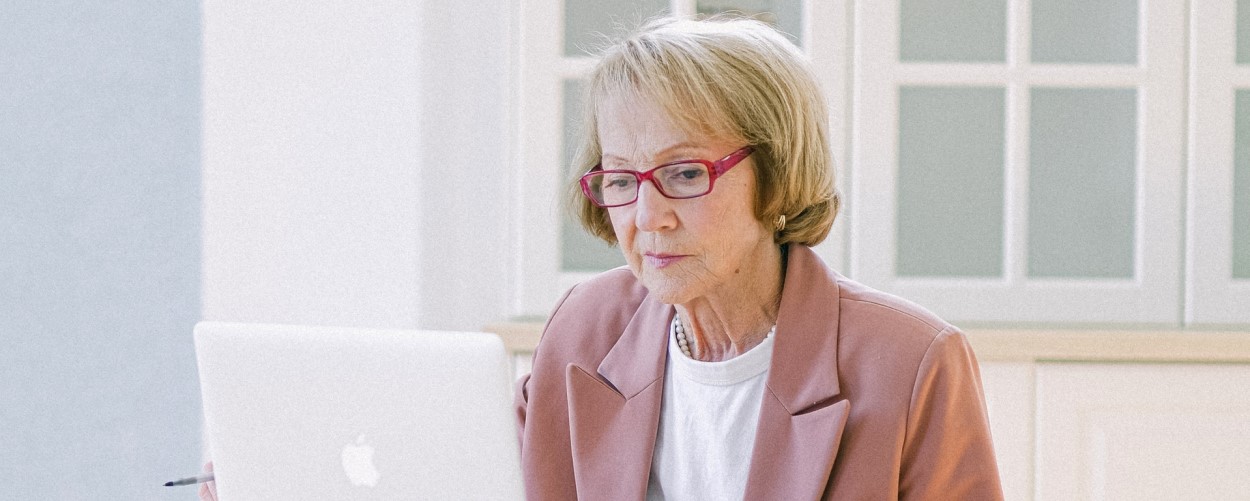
(653, 211)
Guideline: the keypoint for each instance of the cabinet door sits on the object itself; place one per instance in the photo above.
(1142, 431)
(1020, 161)
(1008, 390)
(1218, 250)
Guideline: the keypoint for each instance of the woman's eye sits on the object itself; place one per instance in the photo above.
(690, 173)
(618, 182)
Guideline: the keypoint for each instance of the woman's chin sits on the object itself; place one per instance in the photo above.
(667, 290)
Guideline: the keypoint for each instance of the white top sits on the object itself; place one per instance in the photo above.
(708, 419)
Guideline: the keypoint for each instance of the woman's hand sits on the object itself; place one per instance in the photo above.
(208, 490)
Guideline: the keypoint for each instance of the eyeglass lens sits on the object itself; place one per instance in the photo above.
(674, 181)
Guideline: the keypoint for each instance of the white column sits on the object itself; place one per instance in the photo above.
(468, 174)
(352, 154)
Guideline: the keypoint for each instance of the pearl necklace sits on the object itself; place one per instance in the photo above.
(684, 343)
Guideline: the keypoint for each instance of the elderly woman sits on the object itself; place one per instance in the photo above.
(727, 361)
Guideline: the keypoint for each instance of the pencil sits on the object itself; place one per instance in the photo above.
(198, 479)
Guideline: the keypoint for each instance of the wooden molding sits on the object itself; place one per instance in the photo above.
(1025, 345)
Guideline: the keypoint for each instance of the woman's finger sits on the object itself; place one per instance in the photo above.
(208, 490)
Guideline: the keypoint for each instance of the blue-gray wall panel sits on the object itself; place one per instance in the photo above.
(99, 248)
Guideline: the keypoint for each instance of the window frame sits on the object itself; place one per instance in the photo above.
(1212, 295)
(1149, 297)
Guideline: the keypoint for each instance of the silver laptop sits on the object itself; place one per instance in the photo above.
(296, 412)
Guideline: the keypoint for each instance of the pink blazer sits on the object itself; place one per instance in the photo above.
(868, 396)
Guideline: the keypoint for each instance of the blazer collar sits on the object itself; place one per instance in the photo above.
(614, 413)
(804, 366)
(638, 358)
(801, 417)
(805, 357)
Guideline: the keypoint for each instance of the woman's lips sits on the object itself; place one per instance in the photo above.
(656, 260)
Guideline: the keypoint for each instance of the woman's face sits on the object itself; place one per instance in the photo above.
(681, 250)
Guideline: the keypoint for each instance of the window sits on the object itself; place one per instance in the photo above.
(1018, 162)
(999, 161)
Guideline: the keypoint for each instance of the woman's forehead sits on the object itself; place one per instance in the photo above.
(625, 119)
(697, 116)
(627, 142)
(628, 126)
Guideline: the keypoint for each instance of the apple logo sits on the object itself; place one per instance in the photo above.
(358, 463)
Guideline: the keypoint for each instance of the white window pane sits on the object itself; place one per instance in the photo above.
(785, 15)
(950, 182)
(1241, 188)
(940, 30)
(1085, 31)
(585, 21)
(1243, 31)
(1082, 182)
(579, 251)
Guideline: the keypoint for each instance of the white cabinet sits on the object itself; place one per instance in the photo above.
(1142, 431)
(1118, 414)
(1009, 399)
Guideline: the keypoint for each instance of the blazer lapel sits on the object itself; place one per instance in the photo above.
(801, 416)
(614, 411)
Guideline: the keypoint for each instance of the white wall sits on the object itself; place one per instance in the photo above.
(355, 163)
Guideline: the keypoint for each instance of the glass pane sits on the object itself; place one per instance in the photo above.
(1082, 182)
(1243, 31)
(785, 15)
(950, 181)
(579, 251)
(1085, 31)
(944, 31)
(1241, 188)
(586, 21)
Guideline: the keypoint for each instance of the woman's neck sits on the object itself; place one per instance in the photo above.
(738, 316)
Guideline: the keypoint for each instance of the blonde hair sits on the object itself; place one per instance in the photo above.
(727, 78)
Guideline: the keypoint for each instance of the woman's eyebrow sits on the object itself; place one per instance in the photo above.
(683, 147)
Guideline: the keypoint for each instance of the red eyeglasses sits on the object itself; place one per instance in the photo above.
(680, 179)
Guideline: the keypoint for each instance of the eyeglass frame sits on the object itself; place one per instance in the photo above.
(715, 170)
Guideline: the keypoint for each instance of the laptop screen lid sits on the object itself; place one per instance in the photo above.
(299, 412)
